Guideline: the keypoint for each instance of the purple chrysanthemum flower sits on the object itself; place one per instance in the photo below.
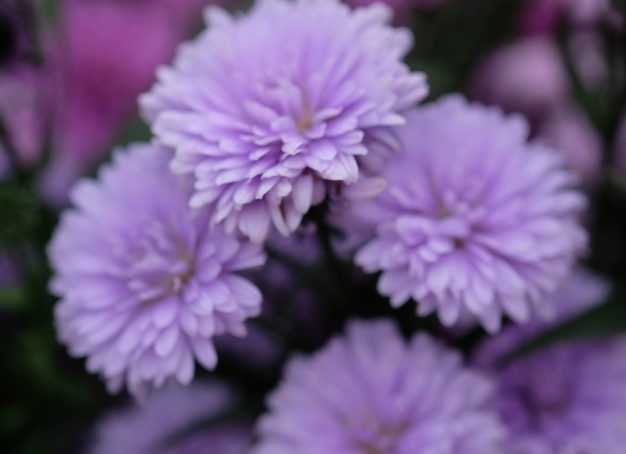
(567, 399)
(152, 426)
(144, 282)
(371, 392)
(474, 218)
(263, 108)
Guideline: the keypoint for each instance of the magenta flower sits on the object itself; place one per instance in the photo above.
(262, 109)
(142, 429)
(474, 218)
(144, 283)
(103, 55)
(371, 392)
(23, 110)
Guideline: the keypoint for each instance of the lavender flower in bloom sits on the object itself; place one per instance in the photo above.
(546, 399)
(143, 429)
(262, 108)
(144, 283)
(370, 392)
(567, 399)
(474, 217)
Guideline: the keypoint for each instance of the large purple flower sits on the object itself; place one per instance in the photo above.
(151, 426)
(371, 392)
(144, 282)
(474, 219)
(263, 108)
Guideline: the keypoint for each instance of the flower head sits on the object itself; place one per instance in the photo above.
(566, 399)
(262, 109)
(371, 392)
(145, 428)
(99, 59)
(144, 282)
(546, 398)
(568, 130)
(526, 76)
(474, 218)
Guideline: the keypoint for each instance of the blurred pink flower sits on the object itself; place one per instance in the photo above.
(23, 110)
(525, 76)
(587, 51)
(568, 130)
(103, 56)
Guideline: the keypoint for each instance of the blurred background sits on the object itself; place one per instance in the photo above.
(70, 72)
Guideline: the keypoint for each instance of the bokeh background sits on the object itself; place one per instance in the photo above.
(70, 73)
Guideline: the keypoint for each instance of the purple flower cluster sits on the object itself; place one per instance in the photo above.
(474, 219)
(258, 119)
(261, 110)
(144, 283)
(372, 392)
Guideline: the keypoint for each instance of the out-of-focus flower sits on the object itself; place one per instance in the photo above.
(526, 76)
(24, 110)
(262, 109)
(144, 283)
(144, 428)
(586, 49)
(567, 130)
(580, 292)
(474, 218)
(371, 392)
(566, 399)
(102, 56)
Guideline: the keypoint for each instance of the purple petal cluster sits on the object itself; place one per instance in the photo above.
(372, 392)
(144, 282)
(145, 428)
(474, 217)
(263, 109)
